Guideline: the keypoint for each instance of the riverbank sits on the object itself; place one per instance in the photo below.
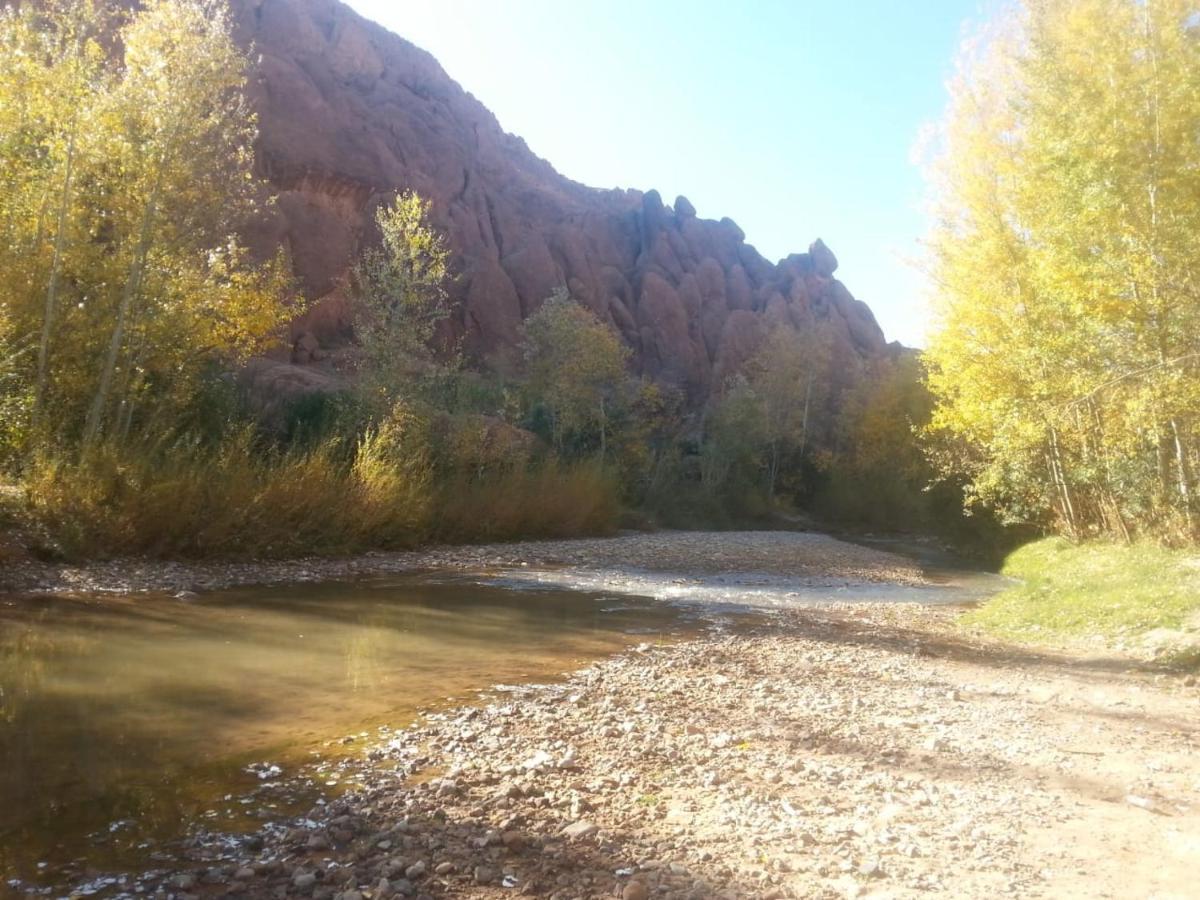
(856, 750)
(1140, 598)
(804, 556)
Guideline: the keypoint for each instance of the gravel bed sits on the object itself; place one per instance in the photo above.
(860, 751)
(800, 555)
(846, 750)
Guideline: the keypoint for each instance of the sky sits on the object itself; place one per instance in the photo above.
(797, 119)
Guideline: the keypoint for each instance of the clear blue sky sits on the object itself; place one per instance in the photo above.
(796, 119)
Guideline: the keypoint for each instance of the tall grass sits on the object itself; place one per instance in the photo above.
(237, 500)
(234, 500)
(545, 499)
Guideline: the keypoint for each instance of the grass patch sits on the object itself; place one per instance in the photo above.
(1104, 589)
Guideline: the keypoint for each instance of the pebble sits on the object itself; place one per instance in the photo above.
(513, 840)
(415, 871)
(577, 831)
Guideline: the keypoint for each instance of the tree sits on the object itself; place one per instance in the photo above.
(184, 145)
(736, 435)
(128, 176)
(14, 396)
(402, 301)
(1064, 256)
(575, 366)
(788, 376)
(876, 472)
(54, 73)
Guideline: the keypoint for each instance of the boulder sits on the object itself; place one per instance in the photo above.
(824, 262)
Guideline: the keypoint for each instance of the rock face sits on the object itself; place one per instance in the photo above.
(350, 113)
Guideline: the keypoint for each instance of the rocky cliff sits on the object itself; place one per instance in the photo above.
(350, 113)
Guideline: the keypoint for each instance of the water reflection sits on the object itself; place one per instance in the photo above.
(123, 719)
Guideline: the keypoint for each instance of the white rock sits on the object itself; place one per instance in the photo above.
(579, 830)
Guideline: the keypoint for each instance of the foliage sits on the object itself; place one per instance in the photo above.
(239, 499)
(546, 498)
(401, 292)
(1070, 590)
(15, 398)
(735, 435)
(647, 430)
(1068, 200)
(234, 500)
(127, 179)
(575, 370)
(876, 473)
(788, 375)
(126, 302)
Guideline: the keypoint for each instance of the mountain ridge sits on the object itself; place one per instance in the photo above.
(350, 113)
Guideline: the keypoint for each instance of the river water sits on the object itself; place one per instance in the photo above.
(125, 720)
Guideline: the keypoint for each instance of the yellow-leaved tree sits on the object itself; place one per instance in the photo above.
(126, 177)
(402, 300)
(182, 136)
(54, 74)
(576, 369)
(1067, 202)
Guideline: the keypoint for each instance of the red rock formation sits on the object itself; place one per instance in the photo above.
(350, 113)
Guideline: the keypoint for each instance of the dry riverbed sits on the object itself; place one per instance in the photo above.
(806, 556)
(842, 750)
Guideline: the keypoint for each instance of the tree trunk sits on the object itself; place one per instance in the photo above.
(43, 360)
(804, 418)
(1184, 475)
(133, 283)
(603, 431)
(772, 470)
(1058, 473)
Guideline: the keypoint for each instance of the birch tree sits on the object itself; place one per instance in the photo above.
(183, 135)
(576, 368)
(1064, 260)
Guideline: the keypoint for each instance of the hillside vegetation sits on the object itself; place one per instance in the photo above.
(1059, 392)
(129, 305)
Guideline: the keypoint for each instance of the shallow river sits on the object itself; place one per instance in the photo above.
(125, 720)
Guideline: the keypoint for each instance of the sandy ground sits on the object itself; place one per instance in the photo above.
(852, 750)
